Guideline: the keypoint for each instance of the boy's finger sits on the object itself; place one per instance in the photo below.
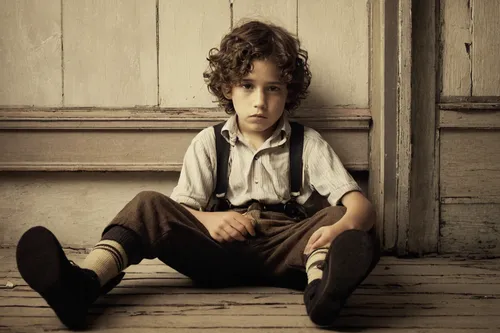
(233, 233)
(248, 224)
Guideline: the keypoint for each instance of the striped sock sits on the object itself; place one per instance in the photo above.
(107, 259)
(315, 263)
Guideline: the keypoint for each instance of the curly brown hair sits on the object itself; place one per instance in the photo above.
(251, 41)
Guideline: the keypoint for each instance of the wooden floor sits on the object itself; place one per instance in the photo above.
(402, 295)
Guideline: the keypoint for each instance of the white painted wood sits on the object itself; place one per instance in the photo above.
(280, 12)
(335, 33)
(470, 164)
(456, 34)
(188, 29)
(486, 48)
(76, 206)
(30, 52)
(109, 53)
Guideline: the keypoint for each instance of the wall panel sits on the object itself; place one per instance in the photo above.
(30, 52)
(109, 53)
(188, 29)
(486, 48)
(336, 35)
(282, 12)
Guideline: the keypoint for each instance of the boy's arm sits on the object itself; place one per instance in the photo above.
(360, 213)
(330, 178)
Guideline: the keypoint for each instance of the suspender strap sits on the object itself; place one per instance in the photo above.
(296, 148)
(222, 149)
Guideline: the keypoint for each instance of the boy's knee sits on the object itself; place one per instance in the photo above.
(148, 196)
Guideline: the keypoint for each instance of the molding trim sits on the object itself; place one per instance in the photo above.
(144, 139)
(163, 119)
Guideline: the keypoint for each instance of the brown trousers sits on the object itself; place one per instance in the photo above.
(168, 231)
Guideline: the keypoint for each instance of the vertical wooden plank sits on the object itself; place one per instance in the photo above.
(336, 35)
(280, 12)
(424, 209)
(188, 30)
(486, 48)
(404, 129)
(456, 40)
(390, 91)
(109, 53)
(376, 162)
(30, 52)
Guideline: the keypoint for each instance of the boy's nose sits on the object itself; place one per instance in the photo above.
(260, 99)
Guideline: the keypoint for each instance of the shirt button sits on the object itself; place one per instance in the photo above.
(256, 182)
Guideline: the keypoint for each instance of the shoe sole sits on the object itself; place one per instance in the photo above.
(347, 264)
(38, 258)
(41, 262)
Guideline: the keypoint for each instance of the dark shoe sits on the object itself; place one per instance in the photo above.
(68, 289)
(348, 262)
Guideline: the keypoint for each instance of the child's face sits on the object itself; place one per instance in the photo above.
(259, 100)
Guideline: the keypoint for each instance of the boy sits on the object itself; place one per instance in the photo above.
(260, 231)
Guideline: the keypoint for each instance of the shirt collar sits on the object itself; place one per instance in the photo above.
(230, 129)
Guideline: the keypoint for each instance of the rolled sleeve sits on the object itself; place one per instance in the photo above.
(196, 181)
(327, 174)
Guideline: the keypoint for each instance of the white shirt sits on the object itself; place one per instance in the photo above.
(261, 174)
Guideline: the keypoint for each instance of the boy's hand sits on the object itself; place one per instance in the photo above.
(323, 237)
(228, 226)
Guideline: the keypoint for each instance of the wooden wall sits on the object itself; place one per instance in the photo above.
(469, 127)
(114, 90)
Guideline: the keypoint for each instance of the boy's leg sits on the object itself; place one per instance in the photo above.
(151, 225)
(332, 272)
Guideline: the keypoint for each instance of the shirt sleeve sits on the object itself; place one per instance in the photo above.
(196, 181)
(327, 174)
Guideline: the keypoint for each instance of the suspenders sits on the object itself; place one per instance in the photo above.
(291, 208)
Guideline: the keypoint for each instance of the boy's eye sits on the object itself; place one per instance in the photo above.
(246, 86)
(274, 88)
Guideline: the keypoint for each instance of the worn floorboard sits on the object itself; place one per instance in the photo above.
(428, 295)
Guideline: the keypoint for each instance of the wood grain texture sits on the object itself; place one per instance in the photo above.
(456, 44)
(463, 118)
(110, 53)
(376, 139)
(335, 33)
(470, 164)
(281, 12)
(435, 295)
(30, 52)
(486, 48)
(424, 209)
(404, 128)
(188, 29)
(470, 229)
